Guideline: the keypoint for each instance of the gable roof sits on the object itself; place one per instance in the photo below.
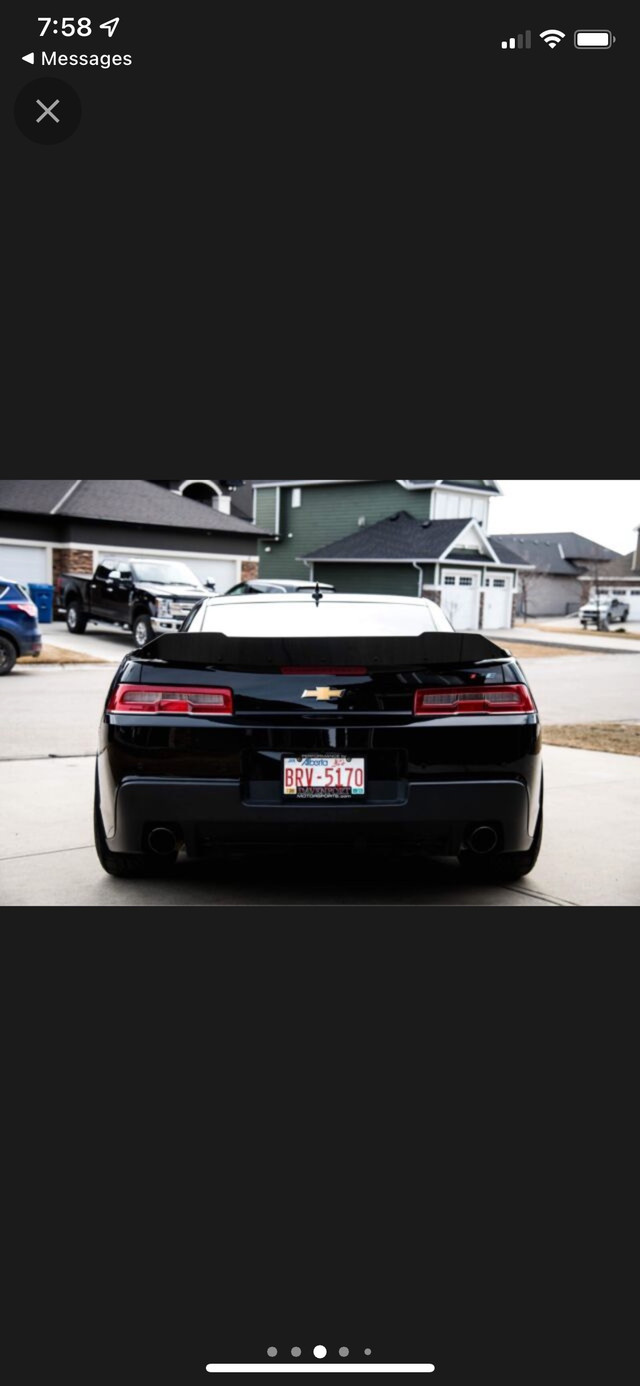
(560, 554)
(402, 539)
(490, 486)
(121, 502)
(620, 567)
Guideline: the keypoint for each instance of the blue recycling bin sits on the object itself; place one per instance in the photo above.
(42, 595)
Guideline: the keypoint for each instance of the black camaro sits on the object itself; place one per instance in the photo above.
(319, 718)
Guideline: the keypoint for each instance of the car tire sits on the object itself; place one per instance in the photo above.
(76, 619)
(120, 863)
(142, 631)
(508, 866)
(8, 655)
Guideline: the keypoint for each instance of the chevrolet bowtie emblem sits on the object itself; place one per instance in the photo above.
(324, 695)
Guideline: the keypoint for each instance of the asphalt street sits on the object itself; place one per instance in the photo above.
(586, 688)
(47, 744)
(55, 709)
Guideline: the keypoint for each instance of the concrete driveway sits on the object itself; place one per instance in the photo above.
(47, 747)
(102, 642)
(47, 857)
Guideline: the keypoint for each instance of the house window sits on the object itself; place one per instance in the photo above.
(296, 498)
(449, 582)
(499, 582)
(466, 582)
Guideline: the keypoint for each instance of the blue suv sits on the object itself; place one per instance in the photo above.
(19, 629)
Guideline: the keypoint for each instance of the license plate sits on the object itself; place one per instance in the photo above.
(324, 777)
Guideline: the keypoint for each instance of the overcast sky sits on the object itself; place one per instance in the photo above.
(607, 511)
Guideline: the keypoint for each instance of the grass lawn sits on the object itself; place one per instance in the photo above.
(622, 738)
(54, 654)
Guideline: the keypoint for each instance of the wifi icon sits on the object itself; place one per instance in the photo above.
(552, 37)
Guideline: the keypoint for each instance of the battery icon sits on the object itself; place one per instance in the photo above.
(593, 38)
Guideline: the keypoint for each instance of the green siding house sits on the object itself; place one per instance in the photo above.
(409, 538)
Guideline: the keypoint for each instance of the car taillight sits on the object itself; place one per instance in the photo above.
(453, 702)
(199, 702)
(29, 608)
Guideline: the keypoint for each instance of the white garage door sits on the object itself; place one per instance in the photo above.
(225, 572)
(497, 604)
(23, 563)
(461, 599)
(628, 595)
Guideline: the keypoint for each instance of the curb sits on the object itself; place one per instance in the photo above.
(561, 645)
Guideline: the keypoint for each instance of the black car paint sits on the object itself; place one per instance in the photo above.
(219, 780)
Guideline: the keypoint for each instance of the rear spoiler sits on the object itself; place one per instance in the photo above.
(388, 652)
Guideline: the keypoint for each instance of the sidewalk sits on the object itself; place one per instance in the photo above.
(528, 635)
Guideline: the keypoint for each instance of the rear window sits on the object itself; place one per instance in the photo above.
(9, 591)
(304, 618)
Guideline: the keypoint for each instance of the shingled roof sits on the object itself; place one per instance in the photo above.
(403, 539)
(561, 554)
(466, 485)
(122, 502)
(621, 568)
(489, 486)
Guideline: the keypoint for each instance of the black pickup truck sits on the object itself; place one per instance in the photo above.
(147, 598)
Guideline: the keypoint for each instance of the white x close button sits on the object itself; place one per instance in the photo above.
(48, 111)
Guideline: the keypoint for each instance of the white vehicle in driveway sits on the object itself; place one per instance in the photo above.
(602, 613)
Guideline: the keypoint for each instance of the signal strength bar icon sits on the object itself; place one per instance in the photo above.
(522, 41)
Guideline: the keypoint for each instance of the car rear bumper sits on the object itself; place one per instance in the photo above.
(204, 814)
(31, 644)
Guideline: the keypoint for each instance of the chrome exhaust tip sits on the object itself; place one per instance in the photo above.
(163, 842)
(483, 840)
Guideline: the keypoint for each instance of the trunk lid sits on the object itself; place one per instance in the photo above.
(312, 680)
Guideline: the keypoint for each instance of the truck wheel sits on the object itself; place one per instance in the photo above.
(76, 619)
(142, 631)
(8, 656)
